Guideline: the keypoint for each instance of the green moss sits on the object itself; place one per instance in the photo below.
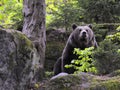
(84, 81)
(115, 73)
(112, 85)
(69, 82)
(64, 83)
(21, 37)
(48, 74)
(106, 84)
(24, 45)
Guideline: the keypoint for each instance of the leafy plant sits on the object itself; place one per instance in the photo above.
(115, 38)
(107, 57)
(100, 11)
(48, 74)
(11, 14)
(84, 62)
(61, 14)
(118, 28)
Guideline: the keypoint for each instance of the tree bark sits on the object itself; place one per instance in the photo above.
(34, 26)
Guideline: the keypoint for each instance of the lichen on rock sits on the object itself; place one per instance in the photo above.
(17, 54)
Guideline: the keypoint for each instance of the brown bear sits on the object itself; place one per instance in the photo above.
(81, 37)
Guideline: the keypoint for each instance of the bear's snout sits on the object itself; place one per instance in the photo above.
(84, 34)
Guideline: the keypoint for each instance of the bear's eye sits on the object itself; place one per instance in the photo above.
(80, 30)
(87, 30)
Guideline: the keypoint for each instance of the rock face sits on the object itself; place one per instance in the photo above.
(19, 64)
(56, 40)
(84, 81)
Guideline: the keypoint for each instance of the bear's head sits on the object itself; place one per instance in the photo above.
(82, 35)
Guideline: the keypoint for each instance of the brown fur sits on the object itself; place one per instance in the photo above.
(81, 37)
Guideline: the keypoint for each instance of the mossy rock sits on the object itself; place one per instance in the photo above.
(53, 52)
(115, 73)
(56, 41)
(84, 81)
(18, 61)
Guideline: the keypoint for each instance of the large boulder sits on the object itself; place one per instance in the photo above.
(84, 81)
(19, 62)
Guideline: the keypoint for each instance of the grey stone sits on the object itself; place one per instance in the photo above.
(18, 58)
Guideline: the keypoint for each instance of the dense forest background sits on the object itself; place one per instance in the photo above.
(63, 13)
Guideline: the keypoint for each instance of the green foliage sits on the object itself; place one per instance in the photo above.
(99, 33)
(118, 28)
(61, 14)
(107, 57)
(100, 11)
(11, 14)
(48, 74)
(104, 30)
(84, 62)
(115, 38)
(118, 51)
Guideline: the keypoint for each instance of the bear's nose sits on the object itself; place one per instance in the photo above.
(84, 33)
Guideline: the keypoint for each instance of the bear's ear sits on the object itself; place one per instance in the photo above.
(74, 26)
(90, 26)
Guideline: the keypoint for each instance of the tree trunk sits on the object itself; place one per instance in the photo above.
(34, 26)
